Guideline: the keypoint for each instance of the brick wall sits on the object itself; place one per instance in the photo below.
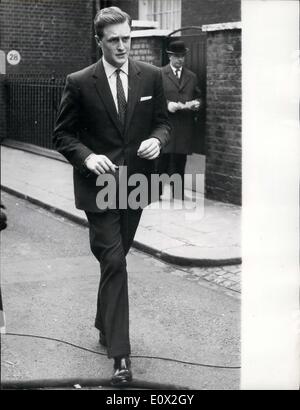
(199, 12)
(223, 127)
(2, 109)
(147, 49)
(52, 36)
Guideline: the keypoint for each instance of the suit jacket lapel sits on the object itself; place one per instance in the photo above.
(103, 89)
(171, 75)
(134, 91)
(185, 78)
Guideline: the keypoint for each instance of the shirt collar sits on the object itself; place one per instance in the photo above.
(110, 69)
(175, 69)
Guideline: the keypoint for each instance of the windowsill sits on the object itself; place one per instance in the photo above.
(150, 33)
(144, 24)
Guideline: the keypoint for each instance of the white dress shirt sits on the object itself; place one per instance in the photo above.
(111, 75)
(174, 71)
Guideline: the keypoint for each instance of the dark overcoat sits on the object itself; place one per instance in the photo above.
(88, 123)
(182, 122)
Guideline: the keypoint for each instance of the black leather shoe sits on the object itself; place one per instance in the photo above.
(122, 372)
(102, 339)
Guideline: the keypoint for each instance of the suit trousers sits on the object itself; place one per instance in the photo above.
(171, 163)
(111, 236)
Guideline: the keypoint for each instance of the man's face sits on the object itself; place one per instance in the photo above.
(177, 60)
(115, 43)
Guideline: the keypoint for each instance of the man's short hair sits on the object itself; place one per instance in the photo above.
(108, 16)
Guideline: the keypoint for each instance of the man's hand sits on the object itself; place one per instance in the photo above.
(149, 149)
(99, 164)
(173, 107)
(193, 105)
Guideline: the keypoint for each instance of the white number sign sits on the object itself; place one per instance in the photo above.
(13, 57)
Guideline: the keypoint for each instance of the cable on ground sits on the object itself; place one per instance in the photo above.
(132, 356)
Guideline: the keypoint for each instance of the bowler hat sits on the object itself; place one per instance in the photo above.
(177, 47)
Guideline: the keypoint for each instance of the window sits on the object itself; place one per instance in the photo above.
(166, 12)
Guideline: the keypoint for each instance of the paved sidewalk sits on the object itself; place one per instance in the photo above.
(207, 234)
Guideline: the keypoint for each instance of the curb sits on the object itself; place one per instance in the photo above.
(164, 256)
(72, 383)
(33, 149)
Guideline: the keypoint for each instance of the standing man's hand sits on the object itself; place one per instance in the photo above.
(193, 105)
(99, 164)
(173, 106)
(149, 149)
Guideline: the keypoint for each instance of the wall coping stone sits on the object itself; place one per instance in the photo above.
(222, 26)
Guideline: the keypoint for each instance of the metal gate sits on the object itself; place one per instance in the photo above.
(196, 62)
(32, 105)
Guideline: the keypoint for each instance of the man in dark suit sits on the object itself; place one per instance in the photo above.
(183, 99)
(113, 114)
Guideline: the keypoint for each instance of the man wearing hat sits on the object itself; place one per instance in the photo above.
(183, 98)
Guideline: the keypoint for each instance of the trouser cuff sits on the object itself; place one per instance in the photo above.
(121, 350)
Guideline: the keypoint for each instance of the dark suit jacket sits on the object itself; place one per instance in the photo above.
(88, 123)
(182, 122)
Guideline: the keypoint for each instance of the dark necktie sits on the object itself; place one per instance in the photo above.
(121, 98)
(177, 73)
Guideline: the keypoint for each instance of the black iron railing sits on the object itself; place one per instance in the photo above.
(32, 106)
